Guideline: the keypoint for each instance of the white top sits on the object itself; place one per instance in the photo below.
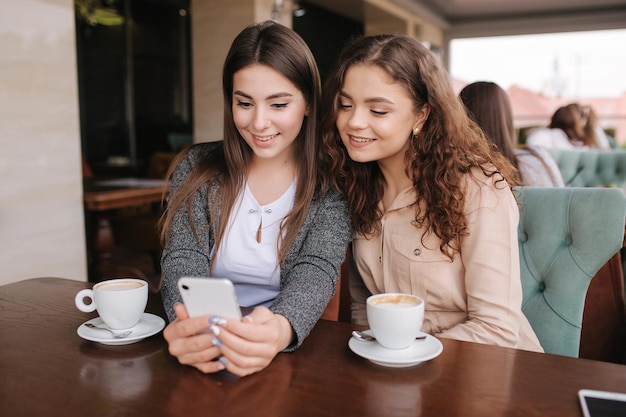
(550, 138)
(602, 140)
(251, 265)
(538, 167)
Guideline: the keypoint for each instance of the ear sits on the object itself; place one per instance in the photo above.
(421, 117)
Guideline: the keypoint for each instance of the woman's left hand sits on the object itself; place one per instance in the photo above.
(249, 345)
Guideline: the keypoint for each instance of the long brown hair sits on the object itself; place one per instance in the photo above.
(568, 120)
(587, 119)
(439, 157)
(489, 106)
(280, 48)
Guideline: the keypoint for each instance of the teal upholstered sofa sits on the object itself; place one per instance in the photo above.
(565, 236)
(591, 168)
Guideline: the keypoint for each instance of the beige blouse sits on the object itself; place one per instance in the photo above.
(475, 297)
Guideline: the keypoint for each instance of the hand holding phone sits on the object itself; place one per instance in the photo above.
(204, 296)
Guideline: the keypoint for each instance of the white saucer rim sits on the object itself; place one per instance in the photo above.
(157, 321)
(355, 345)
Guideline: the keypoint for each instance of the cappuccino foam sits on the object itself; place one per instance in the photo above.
(398, 306)
(120, 286)
(405, 300)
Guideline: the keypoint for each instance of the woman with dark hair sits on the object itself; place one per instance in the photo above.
(593, 134)
(489, 106)
(565, 131)
(257, 209)
(568, 119)
(432, 209)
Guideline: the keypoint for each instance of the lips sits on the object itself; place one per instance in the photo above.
(265, 138)
(358, 141)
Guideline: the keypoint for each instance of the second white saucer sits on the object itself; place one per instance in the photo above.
(148, 325)
(418, 352)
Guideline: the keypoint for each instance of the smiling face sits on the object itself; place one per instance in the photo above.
(376, 116)
(268, 111)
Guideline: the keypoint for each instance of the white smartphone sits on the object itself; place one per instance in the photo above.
(597, 403)
(204, 296)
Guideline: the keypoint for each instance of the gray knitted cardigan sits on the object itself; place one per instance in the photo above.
(310, 272)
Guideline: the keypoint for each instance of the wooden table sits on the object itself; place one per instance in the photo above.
(48, 370)
(101, 197)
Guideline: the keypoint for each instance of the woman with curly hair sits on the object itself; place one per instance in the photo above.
(432, 210)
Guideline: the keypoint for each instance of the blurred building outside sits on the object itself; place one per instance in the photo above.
(535, 109)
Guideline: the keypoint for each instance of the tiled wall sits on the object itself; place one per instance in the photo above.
(41, 209)
(215, 25)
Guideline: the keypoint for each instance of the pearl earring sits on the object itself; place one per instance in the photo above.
(416, 131)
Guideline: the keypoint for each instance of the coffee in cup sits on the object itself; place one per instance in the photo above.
(395, 319)
(120, 302)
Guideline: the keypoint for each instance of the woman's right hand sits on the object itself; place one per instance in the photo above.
(190, 346)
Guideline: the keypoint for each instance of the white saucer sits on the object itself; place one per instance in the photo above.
(148, 325)
(418, 352)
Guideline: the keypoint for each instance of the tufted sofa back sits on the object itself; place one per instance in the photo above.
(591, 168)
(565, 236)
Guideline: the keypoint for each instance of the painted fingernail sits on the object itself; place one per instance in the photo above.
(215, 330)
(217, 342)
(217, 320)
(223, 361)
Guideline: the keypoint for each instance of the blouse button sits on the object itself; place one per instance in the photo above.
(380, 259)
(417, 252)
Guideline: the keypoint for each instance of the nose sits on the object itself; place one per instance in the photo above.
(260, 120)
(357, 120)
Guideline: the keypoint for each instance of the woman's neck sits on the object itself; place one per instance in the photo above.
(396, 180)
(268, 179)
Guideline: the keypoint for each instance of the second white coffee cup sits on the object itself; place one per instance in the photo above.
(395, 318)
(120, 302)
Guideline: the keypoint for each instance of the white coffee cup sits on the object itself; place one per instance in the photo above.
(395, 318)
(120, 302)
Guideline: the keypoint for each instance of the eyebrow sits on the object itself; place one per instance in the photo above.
(369, 99)
(270, 97)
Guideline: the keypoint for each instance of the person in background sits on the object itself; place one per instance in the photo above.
(432, 210)
(569, 121)
(256, 208)
(564, 131)
(489, 106)
(593, 134)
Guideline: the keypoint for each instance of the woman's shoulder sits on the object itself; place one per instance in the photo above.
(532, 151)
(482, 190)
(205, 152)
(330, 196)
(204, 149)
(196, 159)
(329, 204)
(538, 167)
(549, 138)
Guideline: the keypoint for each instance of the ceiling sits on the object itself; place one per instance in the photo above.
(476, 18)
(458, 11)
